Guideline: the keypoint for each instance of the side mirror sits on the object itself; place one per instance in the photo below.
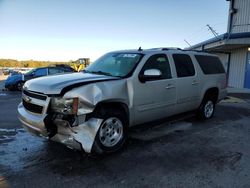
(150, 74)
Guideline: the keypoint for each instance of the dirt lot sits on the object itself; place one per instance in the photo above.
(2, 79)
(182, 153)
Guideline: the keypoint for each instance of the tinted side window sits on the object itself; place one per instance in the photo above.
(184, 65)
(210, 64)
(160, 62)
(41, 72)
(54, 70)
(67, 69)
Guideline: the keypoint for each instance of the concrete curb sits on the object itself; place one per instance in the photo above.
(231, 99)
(237, 90)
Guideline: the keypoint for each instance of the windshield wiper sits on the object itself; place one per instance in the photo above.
(101, 73)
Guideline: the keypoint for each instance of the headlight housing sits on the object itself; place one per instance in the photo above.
(64, 105)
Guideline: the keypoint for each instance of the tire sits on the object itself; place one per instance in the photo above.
(19, 86)
(112, 133)
(207, 108)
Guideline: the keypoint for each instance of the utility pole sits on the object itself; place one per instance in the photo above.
(213, 31)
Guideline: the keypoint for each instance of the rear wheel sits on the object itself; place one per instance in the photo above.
(112, 133)
(207, 107)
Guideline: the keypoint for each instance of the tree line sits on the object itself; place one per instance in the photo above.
(29, 63)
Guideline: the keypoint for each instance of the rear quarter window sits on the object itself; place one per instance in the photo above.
(210, 64)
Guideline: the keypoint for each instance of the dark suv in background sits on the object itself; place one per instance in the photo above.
(16, 81)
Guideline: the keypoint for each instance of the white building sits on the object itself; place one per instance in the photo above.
(233, 47)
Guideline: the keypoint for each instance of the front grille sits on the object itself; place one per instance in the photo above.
(34, 95)
(33, 107)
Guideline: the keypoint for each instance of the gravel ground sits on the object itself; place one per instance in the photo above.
(2, 79)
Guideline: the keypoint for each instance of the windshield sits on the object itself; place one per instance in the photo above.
(115, 64)
(30, 72)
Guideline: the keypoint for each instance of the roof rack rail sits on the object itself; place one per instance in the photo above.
(194, 50)
(140, 49)
(164, 48)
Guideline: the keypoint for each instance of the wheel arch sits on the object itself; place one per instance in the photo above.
(19, 81)
(103, 105)
(212, 92)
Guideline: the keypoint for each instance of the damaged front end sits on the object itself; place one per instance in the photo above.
(58, 120)
(74, 132)
(69, 117)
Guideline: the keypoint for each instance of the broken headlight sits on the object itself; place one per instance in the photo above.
(62, 105)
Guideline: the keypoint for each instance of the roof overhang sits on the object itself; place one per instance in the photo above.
(224, 43)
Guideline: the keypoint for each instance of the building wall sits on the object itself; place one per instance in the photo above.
(237, 68)
(224, 59)
(241, 19)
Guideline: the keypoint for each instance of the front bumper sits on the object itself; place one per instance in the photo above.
(77, 137)
(32, 122)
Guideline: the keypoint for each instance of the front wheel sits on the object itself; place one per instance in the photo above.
(19, 86)
(206, 110)
(112, 133)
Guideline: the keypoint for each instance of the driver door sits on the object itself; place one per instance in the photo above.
(155, 98)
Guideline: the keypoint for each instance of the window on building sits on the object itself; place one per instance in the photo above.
(184, 65)
(160, 62)
(210, 64)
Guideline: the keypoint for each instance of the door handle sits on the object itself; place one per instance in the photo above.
(195, 82)
(170, 86)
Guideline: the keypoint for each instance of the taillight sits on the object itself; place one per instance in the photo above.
(224, 83)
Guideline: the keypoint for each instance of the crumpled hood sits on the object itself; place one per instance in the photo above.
(58, 84)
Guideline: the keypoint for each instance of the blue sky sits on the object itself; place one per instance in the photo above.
(65, 30)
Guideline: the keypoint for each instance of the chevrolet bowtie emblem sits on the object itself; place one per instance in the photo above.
(27, 99)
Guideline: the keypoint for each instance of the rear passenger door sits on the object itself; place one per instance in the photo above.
(187, 83)
(155, 99)
(41, 72)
